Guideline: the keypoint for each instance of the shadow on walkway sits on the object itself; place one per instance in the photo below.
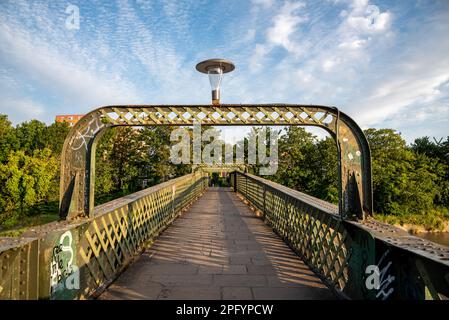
(218, 250)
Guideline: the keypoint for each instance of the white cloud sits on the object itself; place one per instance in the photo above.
(366, 18)
(77, 79)
(399, 93)
(411, 81)
(370, 59)
(18, 109)
(82, 75)
(361, 24)
(329, 64)
(283, 26)
(374, 71)
(264, 3)
(353, 44)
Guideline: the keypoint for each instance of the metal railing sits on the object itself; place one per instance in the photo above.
(76, 259)
(349, 256)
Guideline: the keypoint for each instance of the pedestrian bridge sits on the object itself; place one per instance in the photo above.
(218, 249)
(255, 240)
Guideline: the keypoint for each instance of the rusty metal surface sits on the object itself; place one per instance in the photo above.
(78, 158)
(18, 272)
(402, 239)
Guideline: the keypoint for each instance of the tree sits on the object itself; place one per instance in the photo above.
(438, 151)
(32, 135)
(25, 180)
(55, 135)
(294, 149)
(323, 161)
(154, 161)
(425, 146)
(125, 154)
(104, 183)
(8, 140)
(308, 164)
(402, 181)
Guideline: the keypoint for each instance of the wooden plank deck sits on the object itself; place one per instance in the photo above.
(218, 249)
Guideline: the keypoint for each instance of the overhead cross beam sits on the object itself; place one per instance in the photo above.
(219, 167)
(78, 155)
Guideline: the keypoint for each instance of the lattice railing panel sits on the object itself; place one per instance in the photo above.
(312, 232)
(225, 115)
(114, 237)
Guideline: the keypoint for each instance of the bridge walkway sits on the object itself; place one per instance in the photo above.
(218, 249)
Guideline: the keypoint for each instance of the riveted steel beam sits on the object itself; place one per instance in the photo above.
(78, 157)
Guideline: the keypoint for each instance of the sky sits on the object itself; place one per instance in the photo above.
(384, 63)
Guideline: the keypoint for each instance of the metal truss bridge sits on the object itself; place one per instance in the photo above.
(254, 240)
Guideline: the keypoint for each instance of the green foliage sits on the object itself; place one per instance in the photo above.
(404, 182)
(8, 139)
(439, 152)
(14, 228)
(32, 135)
(155, 160)
(26, 181)
(129, 159)
(308, 164)
(29, 169)
(431, 220)
(411, 183)
(55, 136)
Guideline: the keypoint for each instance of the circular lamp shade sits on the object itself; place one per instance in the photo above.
(225, 65)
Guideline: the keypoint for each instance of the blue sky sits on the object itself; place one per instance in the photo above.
(385, 63)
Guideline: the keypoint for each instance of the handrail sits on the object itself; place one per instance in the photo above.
(77, 259)
(341, 252)
(323, 205)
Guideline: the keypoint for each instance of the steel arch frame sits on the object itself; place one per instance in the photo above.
(78, 155)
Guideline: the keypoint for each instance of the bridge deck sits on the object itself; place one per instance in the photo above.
(218, 250)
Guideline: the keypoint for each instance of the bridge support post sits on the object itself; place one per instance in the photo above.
(78, 167)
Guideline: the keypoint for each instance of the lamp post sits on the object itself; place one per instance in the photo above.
(215, 68)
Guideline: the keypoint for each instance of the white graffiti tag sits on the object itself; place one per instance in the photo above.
(64, 274)
(82, 138)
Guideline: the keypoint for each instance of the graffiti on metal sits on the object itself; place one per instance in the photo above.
(83, 136)
(64, 273)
